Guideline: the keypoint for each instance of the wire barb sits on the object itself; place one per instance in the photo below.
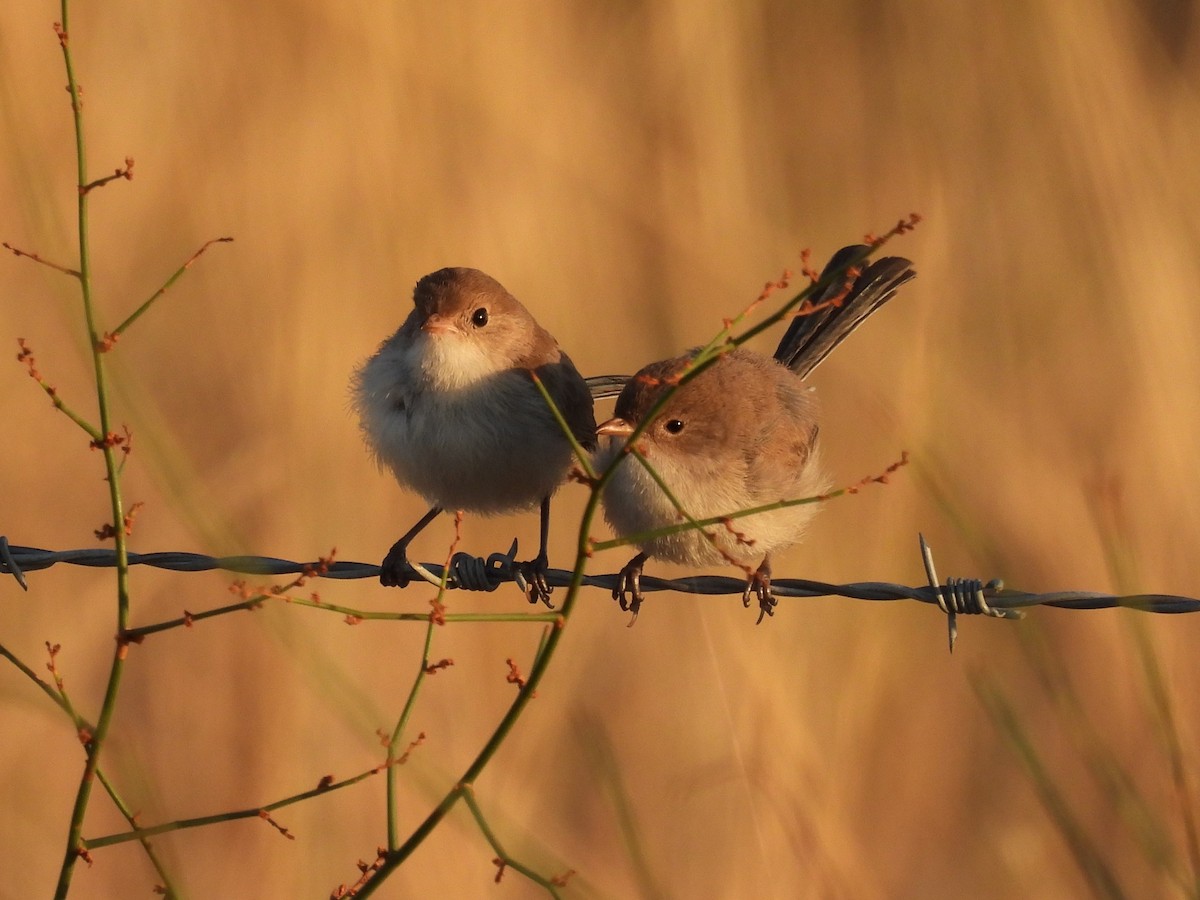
(962, 595)
(8, 564)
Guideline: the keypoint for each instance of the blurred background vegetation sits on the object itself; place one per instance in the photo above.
(633, 172)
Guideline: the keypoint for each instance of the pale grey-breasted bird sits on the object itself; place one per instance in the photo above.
(740, 434)
(449, 405)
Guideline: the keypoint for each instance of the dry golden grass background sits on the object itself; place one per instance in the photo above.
(632, 172)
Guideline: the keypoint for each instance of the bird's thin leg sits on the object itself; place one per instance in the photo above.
(759, 585)
(629, 586)
(395, 571)
(531, 575)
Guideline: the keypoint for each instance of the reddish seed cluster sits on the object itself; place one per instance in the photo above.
(317, 569)
(195, 256)
(126, 173)
(324, 783)
(434, 668)
(882, 478)
(807, 308)
(26, 356)
(403, 758)
(112, 439)
(284, 591)
(902, 227)
(739, 536)
(514, 675)
(806, 267)
(266, 817)
(344, 891)
(437, 611)
(561, 880)
(52, 666)
(768, 289)
(771, 287)
(500, 865)
(107, 531)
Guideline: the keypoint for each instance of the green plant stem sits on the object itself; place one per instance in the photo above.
(257, 811)
(502, 857)
(136, 634)
(95, 744)
(137, 313)
(398, 732)
(62, 407)
(691, 524)
(581, 455)
(131, 818)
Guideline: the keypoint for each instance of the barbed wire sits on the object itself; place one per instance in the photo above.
(957, 595)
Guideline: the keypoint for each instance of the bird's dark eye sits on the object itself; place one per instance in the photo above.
(673, 426)
(479, 318)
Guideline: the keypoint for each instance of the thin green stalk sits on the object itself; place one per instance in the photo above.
(502, 857)
(398, 731)
(581, 455)
(62, 407)
(32, 676)
(169, 889)
(142, 631)
(108, 707)
(691, 524)
(260, 812)
(137, 313)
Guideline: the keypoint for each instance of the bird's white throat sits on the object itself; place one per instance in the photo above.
(452, 361)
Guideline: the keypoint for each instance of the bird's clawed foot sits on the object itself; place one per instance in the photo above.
(395, 570)
(759, 586)
(628, 591)
(531, 578)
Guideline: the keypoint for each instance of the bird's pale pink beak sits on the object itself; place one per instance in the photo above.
(437, 324)
(615, 427)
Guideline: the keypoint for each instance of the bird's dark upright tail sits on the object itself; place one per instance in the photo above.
(810, 338)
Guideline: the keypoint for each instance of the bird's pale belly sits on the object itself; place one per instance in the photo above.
(457, 458)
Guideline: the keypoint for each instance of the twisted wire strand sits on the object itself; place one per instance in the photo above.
(957, 596)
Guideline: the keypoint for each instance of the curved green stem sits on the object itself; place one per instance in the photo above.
(94, 745)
